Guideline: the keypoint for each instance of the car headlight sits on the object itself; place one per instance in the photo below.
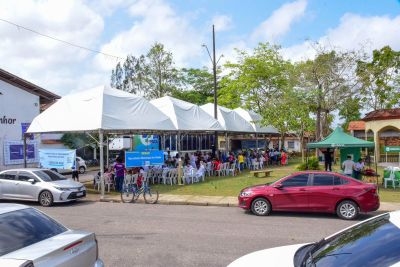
(61, 188)
(245, 193)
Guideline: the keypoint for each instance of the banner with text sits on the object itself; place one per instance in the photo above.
(145, 142)
(14, 152)
(144, 158)
(57, 158)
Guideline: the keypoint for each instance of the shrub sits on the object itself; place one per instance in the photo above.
(313, 164)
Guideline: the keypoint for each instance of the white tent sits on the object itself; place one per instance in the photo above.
(186, 116)
(100, 108)
(255, 120)
(230, 120)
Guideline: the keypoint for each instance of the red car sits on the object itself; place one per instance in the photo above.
(312, 191)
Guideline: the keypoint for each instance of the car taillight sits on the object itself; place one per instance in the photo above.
(27, 264)
(73, 245)
(372, 190)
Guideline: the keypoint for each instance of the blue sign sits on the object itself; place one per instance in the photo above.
(17, 152)
(25, 126)
(57, 158)
(144, 158)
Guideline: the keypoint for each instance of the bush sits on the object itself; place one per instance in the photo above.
(313, 164)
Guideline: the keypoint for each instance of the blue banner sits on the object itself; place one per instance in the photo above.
(145, 142)
(57, 158)
(144, 158)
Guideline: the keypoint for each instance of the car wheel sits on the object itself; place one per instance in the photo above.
(260, 207)
(46, 199)
(347, 210)
(82, 170)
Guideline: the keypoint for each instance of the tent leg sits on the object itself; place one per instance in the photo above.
(25, 164)
(257, 143)
(108, 153)
(101, 163)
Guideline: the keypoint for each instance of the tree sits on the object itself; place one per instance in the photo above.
(350, 111)
(153, 75)
(330, 80)
(380, 79)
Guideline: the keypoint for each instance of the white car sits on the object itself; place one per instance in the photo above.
(373, 242)
(42, 185)
(29, 238)
(82, 167)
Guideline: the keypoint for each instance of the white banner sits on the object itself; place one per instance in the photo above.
(57, 158)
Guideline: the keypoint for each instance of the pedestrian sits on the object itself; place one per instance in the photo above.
(241, 161)
(328, 155)
(283, 158)
(119, 169)
(358, 168)
(348, 166)
(75, 171)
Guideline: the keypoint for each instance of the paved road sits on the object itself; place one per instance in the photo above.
(164, 235)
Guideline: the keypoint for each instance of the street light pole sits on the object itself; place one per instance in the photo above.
(215, 77)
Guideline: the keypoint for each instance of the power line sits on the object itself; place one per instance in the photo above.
(59, 40)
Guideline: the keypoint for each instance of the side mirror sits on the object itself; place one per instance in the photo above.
(32, 181)
(278, 186)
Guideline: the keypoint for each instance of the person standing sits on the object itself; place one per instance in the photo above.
(358, 168)
(328, 155)
(348, 166)
(75, 171)
(119, 169)
(241, 161)
(283, 158)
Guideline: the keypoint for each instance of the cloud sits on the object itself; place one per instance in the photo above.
(222, 23)
(279, 23)
(155, 21)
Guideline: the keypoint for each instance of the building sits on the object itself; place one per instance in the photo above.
(20, 102)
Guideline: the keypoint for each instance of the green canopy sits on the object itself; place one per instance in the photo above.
(340, 139)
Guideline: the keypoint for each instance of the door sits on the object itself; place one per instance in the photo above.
(8, 184)
(325, 192)
(293, 195)
(25, 189)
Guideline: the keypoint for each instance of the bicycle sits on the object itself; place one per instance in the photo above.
(130, 193)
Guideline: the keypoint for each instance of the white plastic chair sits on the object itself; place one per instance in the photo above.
(391, 178)
(108, 182)
(231, 169)
(96, 182)
(209, 170)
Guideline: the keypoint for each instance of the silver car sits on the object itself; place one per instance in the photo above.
(29, 238)
(41, 185)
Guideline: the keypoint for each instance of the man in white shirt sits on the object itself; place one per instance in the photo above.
(348, 166)
(358, 167)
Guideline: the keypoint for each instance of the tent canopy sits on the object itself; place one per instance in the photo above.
(186, 116)
(230, 120)
(101, 108)
(255, 120)
(340, 139)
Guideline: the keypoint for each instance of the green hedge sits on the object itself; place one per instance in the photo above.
(313, 164)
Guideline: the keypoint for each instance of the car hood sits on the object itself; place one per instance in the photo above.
(277, 257)
(256, 187)
(66, 183)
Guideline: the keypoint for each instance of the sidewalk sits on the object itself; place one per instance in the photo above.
(219, 201)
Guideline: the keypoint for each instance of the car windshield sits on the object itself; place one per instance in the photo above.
(49, 176)
(373, 243)
(21, 228)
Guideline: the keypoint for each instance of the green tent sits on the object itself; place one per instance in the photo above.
(340, 139)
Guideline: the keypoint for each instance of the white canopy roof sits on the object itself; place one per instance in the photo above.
(186, 116)
(255, 120)
(100, 108)
(229, 119)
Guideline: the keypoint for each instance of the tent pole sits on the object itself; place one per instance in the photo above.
(256, 142)
(101, 163)
(108, 153)
(25, 164)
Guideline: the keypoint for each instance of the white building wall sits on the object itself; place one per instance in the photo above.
(17, 106)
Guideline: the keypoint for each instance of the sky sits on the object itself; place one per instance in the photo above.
(119, 28)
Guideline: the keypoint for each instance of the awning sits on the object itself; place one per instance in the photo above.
(340, 139)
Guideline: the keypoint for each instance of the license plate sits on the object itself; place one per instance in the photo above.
(79, 194)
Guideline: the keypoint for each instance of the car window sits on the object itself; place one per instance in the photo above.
(49, 176)
(21, 228)
(373, 243)
(339, 181)
(298, 180)
(25, 176)
(10, 175)
(323, 179)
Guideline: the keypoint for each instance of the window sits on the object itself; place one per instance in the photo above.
(10, 175)
(49, 176)
(290, 144)
(339, 181)
(323, 180)
(25, 176)
(299, 180)
(21, 228)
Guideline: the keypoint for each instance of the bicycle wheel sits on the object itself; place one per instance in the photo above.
(150, 196)
(127, 194)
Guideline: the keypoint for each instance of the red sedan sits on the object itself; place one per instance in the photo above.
(312, 191)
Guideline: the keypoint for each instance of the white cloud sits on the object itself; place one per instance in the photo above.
(222, 23)
(279, 23)
(155, 21)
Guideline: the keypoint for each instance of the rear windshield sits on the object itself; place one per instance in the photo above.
(49, 176)
(21, 228)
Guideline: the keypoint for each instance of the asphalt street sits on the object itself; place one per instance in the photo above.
(182, 235)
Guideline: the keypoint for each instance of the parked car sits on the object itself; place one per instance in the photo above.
(29, 238)
(40, 185)
(373, 242)
(82, 167)
(312, 191)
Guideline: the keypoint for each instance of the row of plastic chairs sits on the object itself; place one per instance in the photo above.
(225, 169)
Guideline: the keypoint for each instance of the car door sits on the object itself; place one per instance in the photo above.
(25, 189)
(292, 196)
(7, 184)
(325, 191)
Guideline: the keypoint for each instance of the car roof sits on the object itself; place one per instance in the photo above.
(395, 218)
(25, 169)
(7, 207)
